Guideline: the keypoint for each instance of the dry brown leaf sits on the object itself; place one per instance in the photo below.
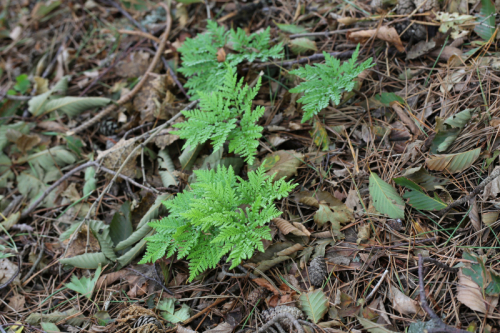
(221, 55)
(286, 227)
(108, 279)
(264, 283)
(388, 34)
(24, 142)
(290, 250)
(16, 302)
(283, 163)
(469, 293)
(133, 65)
(52, 126)
(363, 233)
(493, 188)
(7, 270)
(164, 138)
(181, 329)
(352, 202)
(403, 303)
(79, 245)
(302, 228)
(447, 53)
(149, 99)
(490, 217)
(221, 328)
(116, 155)
(474, 216)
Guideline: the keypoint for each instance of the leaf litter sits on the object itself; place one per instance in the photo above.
(377, 164)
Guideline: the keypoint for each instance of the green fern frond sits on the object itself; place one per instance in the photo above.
(222, 214)
(326, 82)
(199, 55)
(218, 116)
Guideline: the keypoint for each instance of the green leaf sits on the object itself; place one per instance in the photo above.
(22, 83)
(403, 181)
(70, 317)
(453, 163)
(372, 327)
(167, 306)
(493, 288)
(90, 181)
(86, 260)
(292, 28)
(84, 286)
(75, 144)
(166, 169)
(121, 227)
(44, 162)
(188, 157)
(420, 176)
(385, 198)
(302, 45)
(486, 20)
(448, 130)
(37, 103)
(131, 254)
(101, 232)
(49, 327)
(314, 304)
(73, 106)
(386, 98)
(420, 200)
(320, 136)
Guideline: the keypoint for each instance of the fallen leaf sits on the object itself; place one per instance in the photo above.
(388, 34)
(264, 283)
(284, 163)
(403, 303)
(7, 270)
(469, 293)
(114, 157)
(286, 227)
(493, 188)
(16, 302)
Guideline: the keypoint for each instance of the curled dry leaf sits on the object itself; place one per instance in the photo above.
(403, 303)
(291, 250)
(469, 293)
(264, 283)
(286, 227)
(453, 162)
(388, 34)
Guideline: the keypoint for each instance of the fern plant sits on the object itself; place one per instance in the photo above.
(199, 55)
(222, 215)
(217, 118)
(325, 82)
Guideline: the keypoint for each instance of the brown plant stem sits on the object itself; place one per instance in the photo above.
(136, 89)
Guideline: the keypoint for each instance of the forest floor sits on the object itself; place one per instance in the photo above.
(396, 211)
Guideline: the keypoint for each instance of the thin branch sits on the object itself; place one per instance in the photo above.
(475, 192)
(377, 286)
(314, 57)
(441, 326)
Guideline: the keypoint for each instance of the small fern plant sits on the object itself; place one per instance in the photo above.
(199, 55)
(222, 215)
(326, 82)
(218, 117)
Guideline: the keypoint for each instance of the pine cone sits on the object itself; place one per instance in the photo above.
(318, 271)
(257, 294)
(270, 313)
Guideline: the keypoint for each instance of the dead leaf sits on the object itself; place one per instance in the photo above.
(403, 303)
(264, 283)
(164, 138)
(469, 293)
(116, 155)
(16, 302)
(286, 227)
(283, 163)
(24, 142)
(221, 55)
(7, 270)
(493, 188)
(363, 233)
(290, 250)
(474, 216)
(52, 126)
(79, 245)
(11, 220)
(133, 65)
(388, 34)
(149, 99)
(352, 202)
(221, 328)
(71, 193)
(451, 79)
(181, 329)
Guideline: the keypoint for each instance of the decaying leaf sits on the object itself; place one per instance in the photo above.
(7, 270)
(388, 34)
(286, 227)
(469, 293)
(453, 163)
(284, 163)
(403, 303)
(114, 157)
